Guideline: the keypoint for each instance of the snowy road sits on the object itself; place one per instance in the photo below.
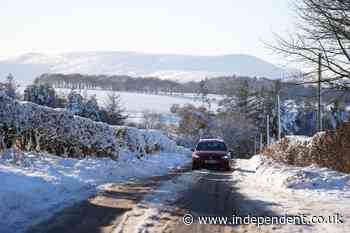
(105, 211)
(158, 204)
(241, 193)
(213, 194)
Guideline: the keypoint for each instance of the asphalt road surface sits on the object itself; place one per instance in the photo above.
(215, 195)
(212, 194)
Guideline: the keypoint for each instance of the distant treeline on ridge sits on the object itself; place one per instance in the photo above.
(228, 85)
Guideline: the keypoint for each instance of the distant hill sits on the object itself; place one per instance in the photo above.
(180, 68)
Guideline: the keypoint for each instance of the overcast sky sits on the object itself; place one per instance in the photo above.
(159, 26)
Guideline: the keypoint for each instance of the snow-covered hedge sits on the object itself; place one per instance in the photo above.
(57, 131)
(326, 149)
(143, 142)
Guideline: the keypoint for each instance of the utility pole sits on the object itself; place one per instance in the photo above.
(267, 130)
(255, 146)
(278, 117)
(319, 112)
(261, 146)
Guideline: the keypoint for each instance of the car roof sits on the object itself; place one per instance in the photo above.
(211, 140)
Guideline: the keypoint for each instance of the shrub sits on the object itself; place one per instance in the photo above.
(327, 149)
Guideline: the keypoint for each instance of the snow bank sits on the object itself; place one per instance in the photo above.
(272, 173)
(286, 190)
(34, 186)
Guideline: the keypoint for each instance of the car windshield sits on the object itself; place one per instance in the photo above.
(211, 146)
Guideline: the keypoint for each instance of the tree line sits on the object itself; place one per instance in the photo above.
(229, 85)
(81, 105)
(241, 118)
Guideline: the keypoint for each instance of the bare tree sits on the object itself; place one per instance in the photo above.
(323, 28)
(151, 120)
(204, 92)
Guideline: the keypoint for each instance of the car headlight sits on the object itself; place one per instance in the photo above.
(225, 157)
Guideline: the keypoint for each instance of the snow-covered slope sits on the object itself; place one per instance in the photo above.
(136, 103)
(35, 186)
(176, 67)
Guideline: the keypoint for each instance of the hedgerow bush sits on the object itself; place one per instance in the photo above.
(326, 149)
(31, 127)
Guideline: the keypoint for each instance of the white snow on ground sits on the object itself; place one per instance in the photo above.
(135, 102)
(322, 180)
(312, 191)
(284, 190)
(33, 184)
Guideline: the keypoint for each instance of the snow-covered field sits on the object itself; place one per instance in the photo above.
(135, 104)
(139, 102)
(35, 186)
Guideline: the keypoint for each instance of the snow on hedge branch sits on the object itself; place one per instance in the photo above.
(143, 142)
(329, 149)
(55, 130)
(33, 127)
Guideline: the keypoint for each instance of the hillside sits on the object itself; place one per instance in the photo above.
(168, 66)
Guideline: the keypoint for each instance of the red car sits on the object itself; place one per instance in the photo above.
(211, 153)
